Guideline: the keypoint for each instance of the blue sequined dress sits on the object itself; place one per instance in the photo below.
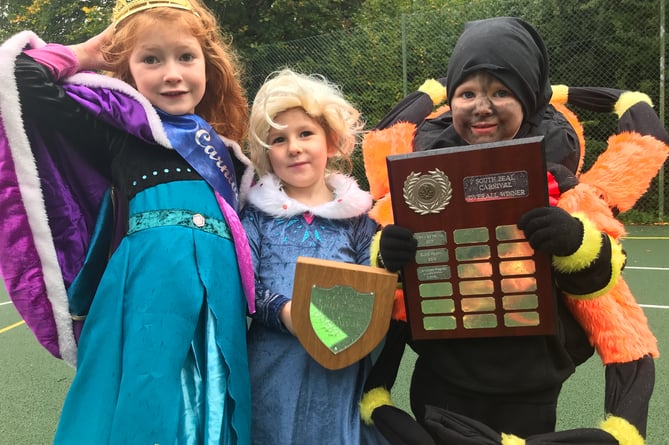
(295, 399)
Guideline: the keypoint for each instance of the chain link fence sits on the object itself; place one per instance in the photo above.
(613, 43)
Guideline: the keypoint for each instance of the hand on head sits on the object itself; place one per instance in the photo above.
(89, 53)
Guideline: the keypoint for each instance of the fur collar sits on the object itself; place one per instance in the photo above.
(349, 202)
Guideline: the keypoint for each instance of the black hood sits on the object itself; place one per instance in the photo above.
(512, 51)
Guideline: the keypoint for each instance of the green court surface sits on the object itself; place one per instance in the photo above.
(34, 383)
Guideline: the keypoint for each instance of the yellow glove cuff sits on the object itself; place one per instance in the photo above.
(622, 430)
(435, 90)
(628, 99)
(560, 94)
(371, 400)
(374, 254)
(510, 439)
(618, 259)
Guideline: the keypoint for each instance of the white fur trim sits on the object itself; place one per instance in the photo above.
(349, 201)
(101, 81)
(31, 192)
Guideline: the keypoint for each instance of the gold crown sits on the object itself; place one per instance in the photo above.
(124, 8)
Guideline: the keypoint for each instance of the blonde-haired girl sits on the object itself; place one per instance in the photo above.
(301, 126)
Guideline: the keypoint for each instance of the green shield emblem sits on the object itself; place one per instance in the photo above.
(340, 315)
(340, 311)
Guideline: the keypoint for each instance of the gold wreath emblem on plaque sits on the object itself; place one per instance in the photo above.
(427, 193)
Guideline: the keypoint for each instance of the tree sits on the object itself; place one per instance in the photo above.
(257, 22)
(64, 21)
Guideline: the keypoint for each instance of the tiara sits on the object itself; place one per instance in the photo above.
(124, 8)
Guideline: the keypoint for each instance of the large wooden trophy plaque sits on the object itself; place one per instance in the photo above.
(340, 311)
(474, 273)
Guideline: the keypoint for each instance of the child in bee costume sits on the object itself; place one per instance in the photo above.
(504, 390)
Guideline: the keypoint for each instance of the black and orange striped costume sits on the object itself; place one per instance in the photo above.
(590, 283)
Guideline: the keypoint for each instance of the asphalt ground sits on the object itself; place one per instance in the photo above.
(33, 383)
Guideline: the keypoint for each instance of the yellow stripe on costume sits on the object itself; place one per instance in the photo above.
(560, 94)
(628, 99)
(510, 439)
(374, 249)
(435, 90)
(623, 431)
(587, 251)
(617, 260)
(371, 400)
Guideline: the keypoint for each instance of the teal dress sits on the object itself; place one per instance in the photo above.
(162, 356)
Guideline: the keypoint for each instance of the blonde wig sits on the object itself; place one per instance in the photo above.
(319, 98)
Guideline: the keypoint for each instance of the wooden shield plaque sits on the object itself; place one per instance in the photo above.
(474, 274)
(340, 311)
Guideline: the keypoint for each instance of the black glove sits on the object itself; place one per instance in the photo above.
(552, 230)
(449, 428)
(399, 428)
(397, 247)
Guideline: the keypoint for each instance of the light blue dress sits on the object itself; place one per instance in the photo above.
(294, 399)
(162, 356)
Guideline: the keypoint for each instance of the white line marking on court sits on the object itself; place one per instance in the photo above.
(6, 302)
(645, 268)
(654, 306)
